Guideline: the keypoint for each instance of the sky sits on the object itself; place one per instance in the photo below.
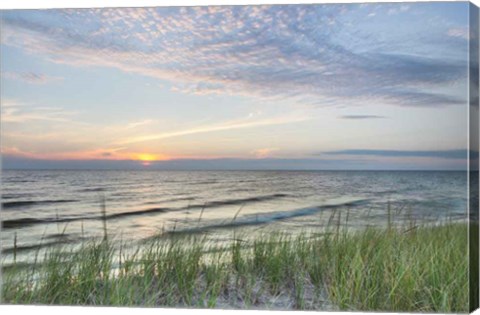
(332, 86)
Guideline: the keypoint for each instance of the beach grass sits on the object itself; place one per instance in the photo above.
(409, 268)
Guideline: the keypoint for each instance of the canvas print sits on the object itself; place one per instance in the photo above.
(290, 157)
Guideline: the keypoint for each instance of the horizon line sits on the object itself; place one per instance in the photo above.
(237, 170)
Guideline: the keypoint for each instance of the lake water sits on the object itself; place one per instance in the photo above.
(65, 206)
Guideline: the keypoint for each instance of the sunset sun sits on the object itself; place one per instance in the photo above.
(147, 158)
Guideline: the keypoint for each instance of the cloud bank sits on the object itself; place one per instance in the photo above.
(310, 54)
(361, 117)
(444, 154)
(31, 77)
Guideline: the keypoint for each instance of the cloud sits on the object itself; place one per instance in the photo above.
(361, 117)
(398, 9)
(264, 153)
(138, 123)
(16, 112)
(61, 153)
(7, 102)
(31, 77)
(444, 154)
(460, 32)
(426, 99)
(229, 125)
(305, 53)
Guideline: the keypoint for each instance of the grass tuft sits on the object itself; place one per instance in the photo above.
(410, 268)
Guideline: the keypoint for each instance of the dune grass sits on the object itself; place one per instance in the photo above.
(410, 268)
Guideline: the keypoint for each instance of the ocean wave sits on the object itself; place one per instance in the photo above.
(30, 203)
(18, 223)
(239, 201)
(266, 218)
(92, 189)
(169, 200)
(32, 247)
(16, 196)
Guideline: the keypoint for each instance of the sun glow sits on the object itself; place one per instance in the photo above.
(146, 157)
